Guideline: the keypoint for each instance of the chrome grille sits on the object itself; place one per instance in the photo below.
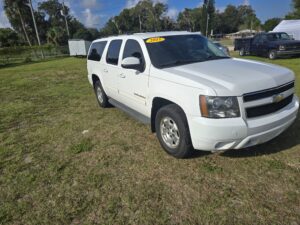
(273, 100)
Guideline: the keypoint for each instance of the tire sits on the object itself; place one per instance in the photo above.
(173, 132)
(242, 52)
(272, 55)
(101, 97)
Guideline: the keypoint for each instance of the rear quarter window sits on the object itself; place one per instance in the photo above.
(96, 50)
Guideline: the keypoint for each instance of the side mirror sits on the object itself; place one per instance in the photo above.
(131, 63)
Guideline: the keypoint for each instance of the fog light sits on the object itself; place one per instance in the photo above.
(281, 47)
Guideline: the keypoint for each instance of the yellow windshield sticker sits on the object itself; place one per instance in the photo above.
(155, 40)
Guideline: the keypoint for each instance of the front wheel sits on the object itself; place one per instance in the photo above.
(272, 55)
(172, 131)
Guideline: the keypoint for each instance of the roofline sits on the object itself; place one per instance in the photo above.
(148, 34)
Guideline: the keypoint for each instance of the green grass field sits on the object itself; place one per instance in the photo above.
(117, 173)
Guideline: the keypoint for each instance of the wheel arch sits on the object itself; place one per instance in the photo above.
(157, 103)
(95, 78)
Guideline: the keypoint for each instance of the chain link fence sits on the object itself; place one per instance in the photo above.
(16, 55)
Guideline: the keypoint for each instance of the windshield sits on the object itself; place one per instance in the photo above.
(178, 50)
(278, 36)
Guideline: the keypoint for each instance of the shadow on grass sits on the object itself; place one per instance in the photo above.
(15, 64)
(288, 139)
(198, 154)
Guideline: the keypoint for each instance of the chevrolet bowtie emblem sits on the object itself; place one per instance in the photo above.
(278, 98)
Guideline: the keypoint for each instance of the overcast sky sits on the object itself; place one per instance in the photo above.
(95, 13)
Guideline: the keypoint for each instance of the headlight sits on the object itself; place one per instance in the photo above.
(219, 107)
(282, 47)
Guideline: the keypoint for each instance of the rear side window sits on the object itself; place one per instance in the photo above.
(113, 52)
(96, 51)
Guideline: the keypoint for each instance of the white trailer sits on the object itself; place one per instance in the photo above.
(291, 27)
(79, 47)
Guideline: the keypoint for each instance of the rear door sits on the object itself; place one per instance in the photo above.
(263, 45)
(255, 45)
(260, 44)
(111, 70)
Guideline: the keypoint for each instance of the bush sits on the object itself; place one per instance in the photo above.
(27, 59)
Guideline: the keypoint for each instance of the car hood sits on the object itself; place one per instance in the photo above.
(231, 77)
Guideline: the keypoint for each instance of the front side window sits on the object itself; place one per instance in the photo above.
(113, 52)
(278, 36)
(96, 51)
(133, 49)
(178, 50)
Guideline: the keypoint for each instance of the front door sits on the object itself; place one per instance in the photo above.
(133, 84)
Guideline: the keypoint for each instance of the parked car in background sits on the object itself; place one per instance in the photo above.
(191, 93)
(272, 45)
(222, 47)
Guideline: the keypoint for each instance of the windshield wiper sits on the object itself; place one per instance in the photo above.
(180, 62)
(214, 57)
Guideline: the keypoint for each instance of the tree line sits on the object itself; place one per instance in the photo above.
(52, 17)
(146, 16)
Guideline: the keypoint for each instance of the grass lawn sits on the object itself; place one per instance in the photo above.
(117, 173)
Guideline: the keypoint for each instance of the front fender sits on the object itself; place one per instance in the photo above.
(184, 96)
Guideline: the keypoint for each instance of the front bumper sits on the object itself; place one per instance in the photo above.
(288, 52)
(237, 133)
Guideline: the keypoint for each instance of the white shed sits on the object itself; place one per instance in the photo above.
(291, 27)
(79, 47)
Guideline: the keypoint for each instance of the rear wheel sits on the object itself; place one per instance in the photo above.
(272, 55)
(242, 52)
(102, 98)
(172, 131)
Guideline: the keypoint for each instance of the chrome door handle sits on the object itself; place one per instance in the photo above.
(105, 71)
(122, 75)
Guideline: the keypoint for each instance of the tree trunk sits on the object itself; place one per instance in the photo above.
(117, 26)
(23, 26)
(140, 22)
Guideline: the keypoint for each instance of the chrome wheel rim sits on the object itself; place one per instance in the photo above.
(272, 55)
(169, 132)
(99, 94)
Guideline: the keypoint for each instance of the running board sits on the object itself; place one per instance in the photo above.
(138, 116)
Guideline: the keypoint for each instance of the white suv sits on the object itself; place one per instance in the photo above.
(193, 95)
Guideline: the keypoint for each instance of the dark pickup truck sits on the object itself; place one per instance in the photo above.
(272, 45)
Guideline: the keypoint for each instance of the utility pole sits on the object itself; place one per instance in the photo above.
(63, 14)
(207, 25)
(207, 17)
(35, 27)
